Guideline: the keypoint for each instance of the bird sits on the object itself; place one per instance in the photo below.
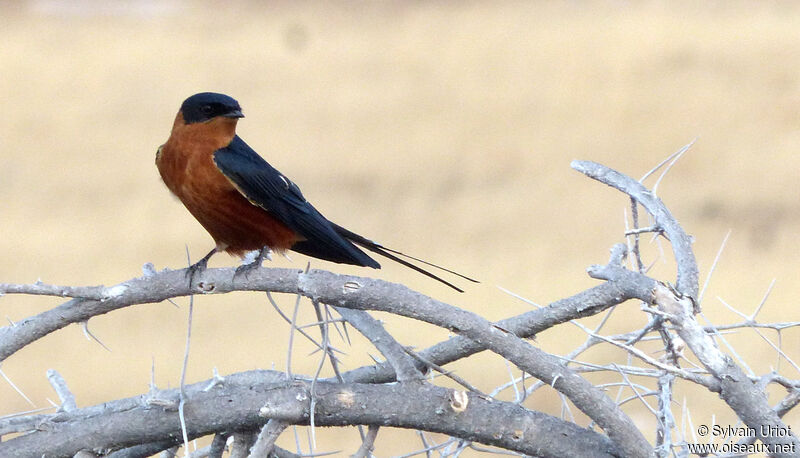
(247, 205)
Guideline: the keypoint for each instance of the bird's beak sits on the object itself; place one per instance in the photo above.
(234, 114)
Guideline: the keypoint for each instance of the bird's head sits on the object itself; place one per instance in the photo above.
(205, 106)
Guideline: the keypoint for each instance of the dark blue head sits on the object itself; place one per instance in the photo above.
(205, 106)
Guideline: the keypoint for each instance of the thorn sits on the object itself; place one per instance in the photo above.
(153, 387)
(216, 380)
(89, 335)
(3, 374)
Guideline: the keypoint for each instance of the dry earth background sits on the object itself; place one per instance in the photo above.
(443, 129)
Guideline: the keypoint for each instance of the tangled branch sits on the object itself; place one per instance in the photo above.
(394, 392)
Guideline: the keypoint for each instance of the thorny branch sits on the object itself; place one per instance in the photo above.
(241, 405)
(687, 282)
(680, 305)
(245, 401)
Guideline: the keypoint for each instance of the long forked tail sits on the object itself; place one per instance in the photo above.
(397, 256)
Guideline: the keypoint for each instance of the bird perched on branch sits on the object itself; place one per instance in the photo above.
(244, 202)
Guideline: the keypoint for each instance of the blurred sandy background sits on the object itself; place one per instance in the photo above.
(442, 129)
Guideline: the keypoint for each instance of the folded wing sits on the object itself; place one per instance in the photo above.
(269, 189)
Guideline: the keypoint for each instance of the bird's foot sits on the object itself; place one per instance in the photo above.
(197, 268)
(245, 269)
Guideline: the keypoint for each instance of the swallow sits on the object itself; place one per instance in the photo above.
(244, 203)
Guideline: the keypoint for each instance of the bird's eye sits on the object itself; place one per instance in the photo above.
(207, 109)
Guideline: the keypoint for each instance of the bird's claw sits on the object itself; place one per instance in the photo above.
(245, 269)
(196, 269)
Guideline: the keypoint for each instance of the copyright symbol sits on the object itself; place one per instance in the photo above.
(702, 430)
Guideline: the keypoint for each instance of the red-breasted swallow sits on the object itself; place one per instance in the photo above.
(244, 202)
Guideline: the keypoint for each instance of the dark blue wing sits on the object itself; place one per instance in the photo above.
(269, 189)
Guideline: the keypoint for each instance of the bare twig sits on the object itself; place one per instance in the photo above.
(681, 242)
(64, 394)
(292, 329)
(218, 445)
(267, 437)
(313, 392)
(182, 403)
(291, 321)
(242, 442)
(368, 443)
(449, 374)
(100, 293)
(373, 330)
